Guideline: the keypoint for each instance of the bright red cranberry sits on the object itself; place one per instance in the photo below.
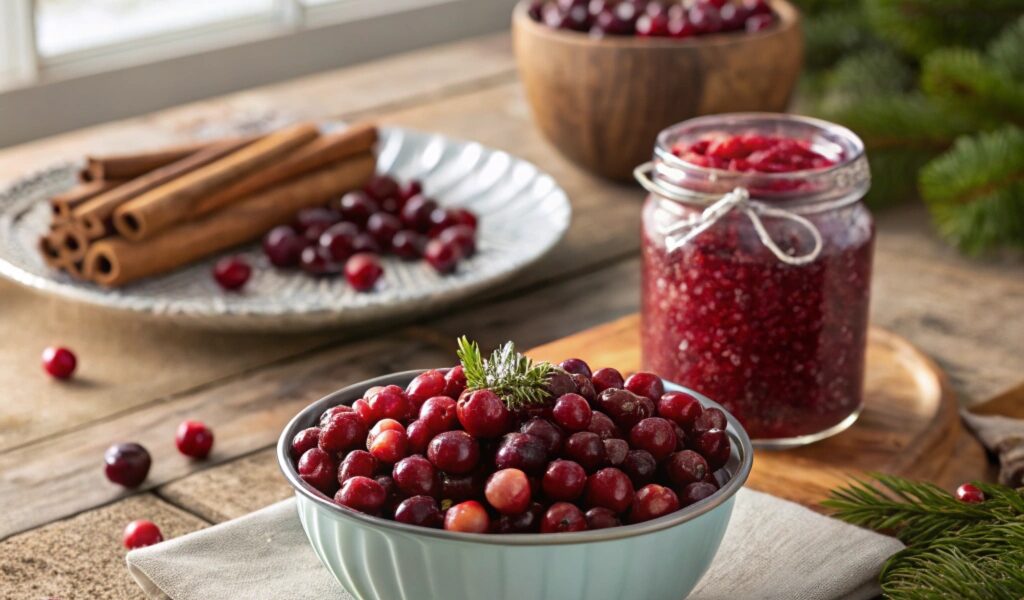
(455, 382)
(681, 408)
(408, 244)
(390, 402)
(416, 476)
(232, 272)
(59, 362)
(564, 480)
(439, 413)
(655, 435)
(381, 187)
(342, 433)
(645, 384)
(603, 426)
(364, 411)
(382, 426)
(338, 241)
(357, 463)
(362, 271)
(563, 517)
(443, 256)
(547, 432)
(334, 411)
(461, 216)
(361, 493)
(685, 467)
(316, 262)
(127, 464)
(521, 451)
(141, 533)
(695, 492)
(194, 439)
(468, 517)
(610, 488)
(315, 219)
(508, 491)
(607, 378)
(715, 447)
(576, 365)
(419, 434)
(600, 517)
(624, 407)
(640, 466)
(653, 501)
(455, 452)
(755, 23)
(419, 510)
(970, 494)
(482, 413)
(283, 246)
(572, 412)
(527, 521)
(356, 207)
(319, 469)
(615, 450)
(389, 446)
(585, 448)
(462, 237)
(416, 213)
(304, 440)
(426, 385)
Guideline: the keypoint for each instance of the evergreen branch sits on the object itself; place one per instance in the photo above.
(831, 34)
(512, 376)
(865, 75)
(965, 80)
(920, 26)
(903, 121)
(1007, 50)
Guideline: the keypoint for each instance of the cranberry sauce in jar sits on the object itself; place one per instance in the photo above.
(760, 302)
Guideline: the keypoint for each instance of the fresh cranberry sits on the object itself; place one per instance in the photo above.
(508, 491)
(439, 413)
(416, 213)
(615, 450)
(640, 466)
(419, 434)
(383, 227)
(461, 216)
(380, 187)
(710, 418)
(356, 207)
(416, 476)
(527, 521)
(334, 411)
(426, 385)
(342, 433)
(318, 469)
(455, 382)
(603, 426)
(584, 387)
(443, 256)
(715, 447)
(624, 407)
(365, 243)
(547, 432)
(607, 378)
(316, 218)
(439, 220)
(577, 366)
(193, 439)
(468, 517)
(645, 384)
(392, 496)
(733, 16)
(390, 402)
(600, 517)
(755, 23)
(685, 467)
(679, 407)
(357, 463)
(653, 501)
(610, 488)
(126, 464)
(705, 18)
(315, 261)
(362, 271)
(563, 517)
(364, 411)
(389, 446)
(338, 241)
(141, 533)
(455, 452)
(232, 272)
(970, 494)
(585, 448)
(462, 237)
(695, 492)
(419, 510)
(564, 480)
(381, 426)
(560, 383)
(458, 488)
(408, 244)
(482, 413)
(59, 362)
(655, 435)
(757, 7)
(521, 451)
(679, 25)
(283, 245)
(361, 493)
(572, 412)
(304, 440)
(409, 189)
(652, 26)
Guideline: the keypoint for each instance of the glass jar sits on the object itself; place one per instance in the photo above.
(756, 285)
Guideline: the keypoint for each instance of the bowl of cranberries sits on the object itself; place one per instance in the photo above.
(603, 77)
(504, 478)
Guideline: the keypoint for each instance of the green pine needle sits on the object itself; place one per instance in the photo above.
(1007, 50)
(921, 26)
(515, 378)
(966, 80)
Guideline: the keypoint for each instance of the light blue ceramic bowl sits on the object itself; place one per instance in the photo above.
(378, 559)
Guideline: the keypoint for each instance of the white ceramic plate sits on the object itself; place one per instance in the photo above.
(523, 214)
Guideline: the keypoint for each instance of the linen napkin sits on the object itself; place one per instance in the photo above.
(773, 548)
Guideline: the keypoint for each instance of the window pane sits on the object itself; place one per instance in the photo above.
(67, 25)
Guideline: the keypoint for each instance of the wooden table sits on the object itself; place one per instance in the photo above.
(60, 522)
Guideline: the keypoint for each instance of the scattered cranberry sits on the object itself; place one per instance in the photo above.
(141, 533)
(607, 378)
(338, 242)
(319, 469)
(362, 494)
(419, 510)
(356, 207)
(232, 272)
(455, 452)
(381, 187)
(408, 244)
(59, 362)
(462, 237)
(283, 246)
(563, 517)
(315, 261)
(409, 189)
(442, 255)
(362, 271)
(572, 412)
(416, 213)
(304, 440)
(508, 491)
(467, 517)
(416, 476)
(564, 480)
(482, 413)
(127, 464)
(316, 218)
(194, 439)
(653, 501)
(358, 463)
(970, 494)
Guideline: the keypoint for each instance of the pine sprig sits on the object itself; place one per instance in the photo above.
(512, 376)
(966, 80)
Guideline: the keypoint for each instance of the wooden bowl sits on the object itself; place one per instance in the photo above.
(603, 101)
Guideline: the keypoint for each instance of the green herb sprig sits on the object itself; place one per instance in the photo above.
(515, 378)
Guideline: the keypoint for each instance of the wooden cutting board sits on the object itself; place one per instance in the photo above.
(910, 424)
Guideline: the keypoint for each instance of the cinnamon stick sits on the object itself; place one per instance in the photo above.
(70, 241)
(173, 202)
(116, 261)
(130, 166)
(95, 213)
(63, 204)
(320, 152)
(51, 256)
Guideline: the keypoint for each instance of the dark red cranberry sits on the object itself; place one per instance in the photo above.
(645, 384)
(356, 207)
(362, 494)
(653, 501)
(607, 378)
(342, 433)
(705, 18)
(521, 451)
(685, 467)
(695, 492)
(655, 435)
(304, 440)
(443, 256)
(640, 466)
(141, 533)
(408, 244)
(527, 521)
(710, 418)
(315, 218)
(755, 23)
(334, 411)
(357, 463)
(390, 402)
(315, 261)
(439, 220)
(560, 383)
(508, 491)
(652, 26)
(458, 488)
(392, 495)
(409, 189)
(419, 510)
(572, 412)
(455, 452)
(231, 272)
(416, 213)
(59, 362)
(193, 439)
(455, 382)
(715, 447)
(364, 242)
(679, 25)
(419, 434)
(380, 187)
(319, 469)
(681, 408)
(416, 476)
(610, 488)
(362, 271)
(389, 446)
(461, 216)
(603, 426)
(584, 387)
(363, 410)
(757, 7)
(733, 16)
(127, 464)
(585, 448)
(462, 237)
(482, 413)
(338, 241)
(970, 494)
(576, 366)
(283, 245)
(615, 450)
(564, 480)
(439, 413)
(563, 517)
(600, 517)
(426, 385)
(624, 407)
(547, 432)
(383, 227)
(468, 517)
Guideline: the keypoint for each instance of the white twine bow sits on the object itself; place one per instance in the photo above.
(689, 226)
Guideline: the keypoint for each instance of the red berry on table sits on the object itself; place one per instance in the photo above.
(467, 517)
(653, 501)
(461, 216)
(409, 189)
(342, 433)
(600, 517)
(408, 244)
(141, 533)
(389, 446)
(443, 256)
(315, 261)
(508, 491)
(383, 227)
(338, 242)
(416, 476)
(655, 435)
(679, 407)
(362, 271)
(59, 362)
(462, 237)
(304, 440)
(645, 384)
(564, 480)
(126, 464)
(455, 452)
(319, 469)
(440, 220)
(416, 213)
(970, 494)
(381, 187)
(563, 517)
(419, 510)
(482, 413)
(232, 272)
(361, 493)
(426, 385)
(356, 207)
(357, 463)
(610, 488)
(194, 439)
(283, 246)
(439, 413)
